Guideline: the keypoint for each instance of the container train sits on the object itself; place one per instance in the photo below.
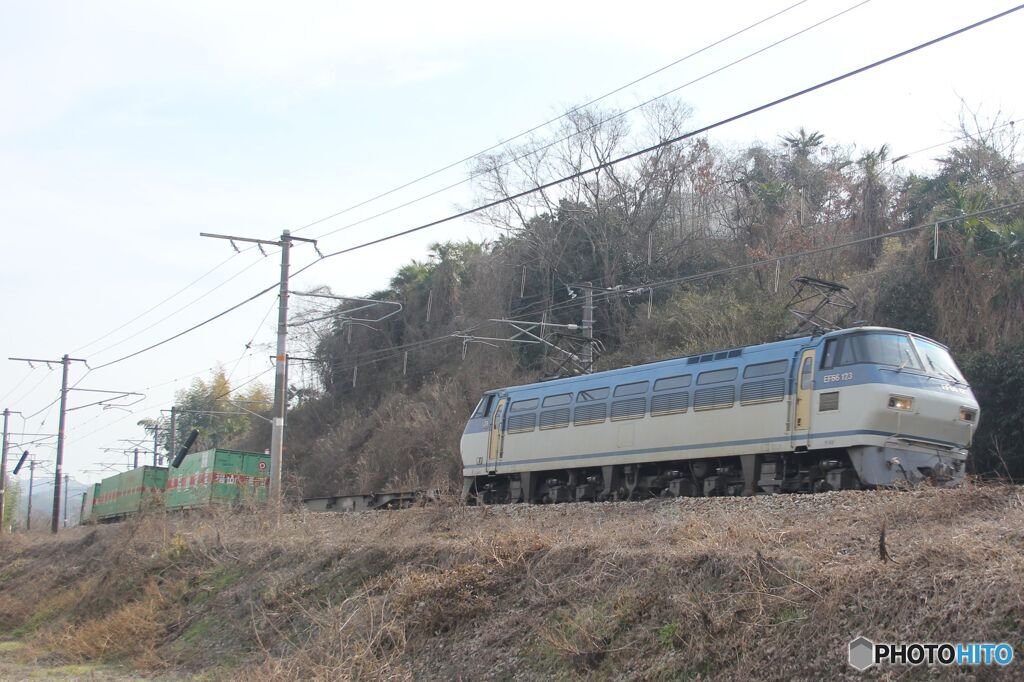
(210, 477)
(854, 408)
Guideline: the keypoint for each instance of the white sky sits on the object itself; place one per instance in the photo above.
(127, 128)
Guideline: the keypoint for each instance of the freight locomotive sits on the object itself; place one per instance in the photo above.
(854, 408)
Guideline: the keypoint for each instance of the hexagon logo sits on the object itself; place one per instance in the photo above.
(862, 653)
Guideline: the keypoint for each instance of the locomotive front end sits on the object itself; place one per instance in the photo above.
(914, 410)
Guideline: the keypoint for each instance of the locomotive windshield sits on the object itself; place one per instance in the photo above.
(892, 349)
(877, 348)
(937, 360)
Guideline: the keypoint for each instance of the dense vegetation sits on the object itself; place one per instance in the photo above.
(390, 398)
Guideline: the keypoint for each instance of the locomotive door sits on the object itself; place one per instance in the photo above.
(804, 394)
(497, 435)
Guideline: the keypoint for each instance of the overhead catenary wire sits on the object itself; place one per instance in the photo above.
(160, 303)
(180, 309)
(607, 164)
(555, 119)
(673, 140)
(18, 385)
(597, 124)
(375, 356)
(151, 405)
(955, 139)
(190, 329)
(783, 257)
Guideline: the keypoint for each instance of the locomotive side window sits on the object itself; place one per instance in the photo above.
(590, 395)
(556, 400)
(765, 369)
(672, 382)
(524, 405)
(828, 358)
(484, 408)
(717, 376)
(632, 389)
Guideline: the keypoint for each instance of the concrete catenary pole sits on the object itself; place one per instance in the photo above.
(31, 486)
(588, 327)
(3, 469)
(66, 480)
(81, 511)
(173, 438)
(280, 377)
(135, 462)
(281, 357)
(65, 363)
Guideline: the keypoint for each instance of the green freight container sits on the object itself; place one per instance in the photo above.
(218, 477)
(126, 493)
(92, 494)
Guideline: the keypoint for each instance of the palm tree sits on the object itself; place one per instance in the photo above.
(803, 143)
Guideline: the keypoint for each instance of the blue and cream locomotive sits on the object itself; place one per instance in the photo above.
(854, 408)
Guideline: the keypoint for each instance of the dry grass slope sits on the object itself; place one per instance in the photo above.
(744, 588)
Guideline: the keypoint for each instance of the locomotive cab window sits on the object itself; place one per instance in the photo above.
(937, 360)
(484, 408)
(876, 348)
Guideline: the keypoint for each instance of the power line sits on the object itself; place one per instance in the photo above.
(157, 305)
(367, 358)
(549, 121)
(148, 406)
(190, 329)
(673, 140)
(597, 124)
(790, 256)
(32, 390)
(593, 169)
(184, 307)
(18, 385)
(248, 345)
(955, 139)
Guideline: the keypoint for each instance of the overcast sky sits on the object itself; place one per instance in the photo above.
(127, 128)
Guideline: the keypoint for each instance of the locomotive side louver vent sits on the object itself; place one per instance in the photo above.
(629, 409)
(828, 402)
(669, 403)
(767, 391)
(554, 419)
(521, 423)
(590, 414)
(714, 398)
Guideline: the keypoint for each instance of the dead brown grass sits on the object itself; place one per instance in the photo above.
(730, 588)
(135, 629)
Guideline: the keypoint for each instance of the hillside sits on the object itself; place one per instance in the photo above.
(730, 588)
(689, 250)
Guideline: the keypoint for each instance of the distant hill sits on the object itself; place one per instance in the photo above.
(42, 500)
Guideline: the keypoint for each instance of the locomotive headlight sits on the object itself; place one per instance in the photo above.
(901, 402)
(967, 414)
